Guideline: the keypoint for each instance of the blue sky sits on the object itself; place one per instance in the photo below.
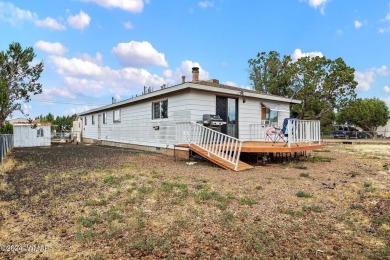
(96, 49)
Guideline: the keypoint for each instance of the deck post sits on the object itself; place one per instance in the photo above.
(238, 157)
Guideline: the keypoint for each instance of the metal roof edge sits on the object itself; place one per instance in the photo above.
(190, 85)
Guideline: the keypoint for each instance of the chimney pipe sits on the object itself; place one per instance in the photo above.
(195, 74)
(183, 79)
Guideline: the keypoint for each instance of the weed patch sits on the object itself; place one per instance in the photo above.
(302, 194)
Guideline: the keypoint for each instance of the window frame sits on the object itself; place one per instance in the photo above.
(114, 119)
(105, 118)
(163, 114)
(92, 119)
(85, 121)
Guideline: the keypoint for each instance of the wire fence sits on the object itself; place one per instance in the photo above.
(6, 144)
(378, 135)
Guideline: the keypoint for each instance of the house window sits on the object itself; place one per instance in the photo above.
(268, 115)
(104, 118)
(117, 116)
(93, 119)
(85, 120)
(160, 109)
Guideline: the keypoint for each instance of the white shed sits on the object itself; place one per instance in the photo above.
(30, 135)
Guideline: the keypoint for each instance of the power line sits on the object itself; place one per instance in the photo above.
(67, 103)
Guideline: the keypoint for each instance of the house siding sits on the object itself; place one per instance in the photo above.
(137, 126)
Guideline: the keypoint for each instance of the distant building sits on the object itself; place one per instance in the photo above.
(384, 130)
(31, 135)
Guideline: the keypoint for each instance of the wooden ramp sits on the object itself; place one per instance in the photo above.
(222, 163)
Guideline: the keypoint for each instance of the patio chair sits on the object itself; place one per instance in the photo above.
(282, 133)
(271, 133)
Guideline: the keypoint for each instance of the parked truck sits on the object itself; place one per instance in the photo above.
(347, 132)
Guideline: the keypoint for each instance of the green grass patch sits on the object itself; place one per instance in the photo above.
(92, 202)
(317, 158)
(368, 187)
(356, 206)
(292, 213)
(246, 201)
(322, 151)
(305, 175)
(111, 180)
(312, 208)
(302, 194)
(299, 166)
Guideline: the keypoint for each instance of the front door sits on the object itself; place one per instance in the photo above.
(99, 127)
(226, 108)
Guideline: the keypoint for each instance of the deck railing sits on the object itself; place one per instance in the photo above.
(223, 146)
(6, 144)
(298, 131)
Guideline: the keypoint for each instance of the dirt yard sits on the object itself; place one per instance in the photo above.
(93, 202)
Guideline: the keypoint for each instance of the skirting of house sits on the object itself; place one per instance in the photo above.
(178, 153)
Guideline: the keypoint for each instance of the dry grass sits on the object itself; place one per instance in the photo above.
(137, 205)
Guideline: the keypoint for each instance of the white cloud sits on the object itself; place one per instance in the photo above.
(50, 93)
(79, 21)
(98, 59)
(386, 89)
(87, 78)
(358, 24)
(128, 25)
(230, 83)
(299, 54)
(185, 69)
(50, 23)
(365, 80)
(138, 54)
(80, 109)
(206, 4)
(384, 29)
(387, 101)
(383, 71)
(133, 6)
(317, 4)
(26, 108)
(14, 15)
(55, 48)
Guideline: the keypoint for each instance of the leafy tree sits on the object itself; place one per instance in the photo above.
(18, 79)
(322, 84)
(271, 74)
(368, 113)
(7, 128)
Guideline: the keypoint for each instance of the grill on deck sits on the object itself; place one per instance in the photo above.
(212, 121)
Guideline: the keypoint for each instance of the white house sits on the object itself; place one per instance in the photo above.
(149, 120)
(30, 135)
(384, 130)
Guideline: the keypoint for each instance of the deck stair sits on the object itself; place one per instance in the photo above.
(220, 162)
(219, 148)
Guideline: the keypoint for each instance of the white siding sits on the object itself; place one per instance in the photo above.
(384, 130)
(137, 125)
(248, 113)
(26, 136)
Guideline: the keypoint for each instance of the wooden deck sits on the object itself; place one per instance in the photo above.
(253, 147)
(268, 147)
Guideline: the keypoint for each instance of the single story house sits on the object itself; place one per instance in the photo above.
(149, 121)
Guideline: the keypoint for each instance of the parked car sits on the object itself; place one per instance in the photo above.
(348, 132)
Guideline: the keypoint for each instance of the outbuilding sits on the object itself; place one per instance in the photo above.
(31, 135)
